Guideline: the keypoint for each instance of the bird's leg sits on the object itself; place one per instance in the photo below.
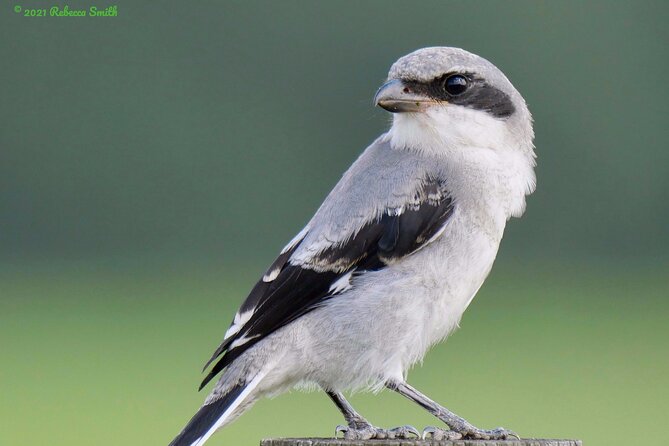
(353, 418)
(359, 428)
(459, 427)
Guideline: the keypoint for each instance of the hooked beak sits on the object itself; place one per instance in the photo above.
(397, 97)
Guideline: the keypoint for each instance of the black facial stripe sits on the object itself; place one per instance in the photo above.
(484, 97)
(479, 95)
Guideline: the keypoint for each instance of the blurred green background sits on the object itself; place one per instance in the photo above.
(152, 164)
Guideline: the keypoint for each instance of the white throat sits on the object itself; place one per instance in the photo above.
(491, 157)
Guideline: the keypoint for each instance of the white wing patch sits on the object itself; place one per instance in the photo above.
(274, 272)
(241, 341)
(271, 275)
(342, 284)
(238, 323)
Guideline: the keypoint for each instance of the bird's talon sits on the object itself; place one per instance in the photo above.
(340, 428)
(368, 432)
(494, 434)
(412, 430)
(403, 432)
(505, 433)
(427, 431)
(438, 434)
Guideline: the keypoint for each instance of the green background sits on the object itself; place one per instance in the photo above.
(152, 164)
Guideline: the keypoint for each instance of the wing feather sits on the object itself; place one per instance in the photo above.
(293, 287)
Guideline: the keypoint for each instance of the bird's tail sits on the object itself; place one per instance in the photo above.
(215, 414)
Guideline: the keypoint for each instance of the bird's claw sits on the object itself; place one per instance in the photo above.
(370, 432)
(509, 433)
(356, 433)
(403, 432)
(438, 434)
(472, 433)
(493, 434)
(340, 428)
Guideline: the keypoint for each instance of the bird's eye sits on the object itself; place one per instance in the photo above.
(456, 84)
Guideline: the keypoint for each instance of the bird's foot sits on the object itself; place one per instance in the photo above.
(468, 432)
(366, 431)
(438, 434)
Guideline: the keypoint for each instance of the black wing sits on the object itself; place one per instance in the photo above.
(289, 290)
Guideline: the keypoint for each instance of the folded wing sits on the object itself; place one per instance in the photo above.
(297, 284)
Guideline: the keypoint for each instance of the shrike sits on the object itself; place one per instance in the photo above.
(393, 256)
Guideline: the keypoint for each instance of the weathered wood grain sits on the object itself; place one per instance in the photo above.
(341, 442)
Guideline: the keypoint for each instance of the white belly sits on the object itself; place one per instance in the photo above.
(378, 330)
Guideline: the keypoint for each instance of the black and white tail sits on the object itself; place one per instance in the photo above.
(212, 416)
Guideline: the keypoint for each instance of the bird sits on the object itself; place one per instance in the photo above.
(386, 267)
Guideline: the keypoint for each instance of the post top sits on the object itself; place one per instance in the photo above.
(404, 442)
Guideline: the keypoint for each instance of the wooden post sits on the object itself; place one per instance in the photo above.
(341, 442)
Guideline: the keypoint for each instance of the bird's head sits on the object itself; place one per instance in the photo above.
(443, 96)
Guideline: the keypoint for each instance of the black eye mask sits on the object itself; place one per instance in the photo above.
(477, 95)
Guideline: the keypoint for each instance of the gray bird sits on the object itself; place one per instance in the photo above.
(394, 255)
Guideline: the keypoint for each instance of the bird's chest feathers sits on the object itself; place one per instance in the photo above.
(453, 269)
(455, 265)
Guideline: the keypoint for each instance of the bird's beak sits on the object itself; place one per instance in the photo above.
(397, 97)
